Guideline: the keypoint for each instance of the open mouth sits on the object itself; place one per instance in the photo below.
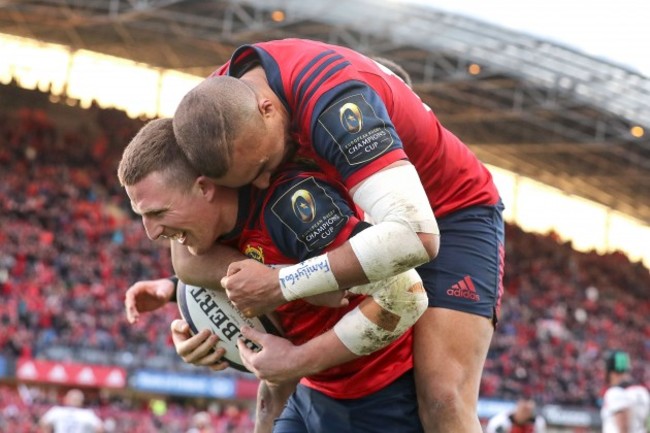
(179, 237)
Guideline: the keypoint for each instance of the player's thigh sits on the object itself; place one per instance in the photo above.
(464, 286)
(449, 349)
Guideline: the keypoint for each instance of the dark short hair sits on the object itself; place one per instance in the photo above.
(154, 148)
(209, 118)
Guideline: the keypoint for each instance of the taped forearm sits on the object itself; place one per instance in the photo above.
(355, 262)
(387, 249)
(399, 302)
(392, 307)
(402, 295)
(397, 203)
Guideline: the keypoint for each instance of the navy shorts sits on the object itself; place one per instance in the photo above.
(391, 409)
(467, 274)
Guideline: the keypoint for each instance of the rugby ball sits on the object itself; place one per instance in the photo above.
(211, 309)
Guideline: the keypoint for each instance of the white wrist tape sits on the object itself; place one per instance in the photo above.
(310, 277)
(402, 295)
(397, 195)
(388, 249)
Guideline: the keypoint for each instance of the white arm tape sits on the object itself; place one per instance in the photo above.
(310, 277)
(397, 195)
(360, 335)
(388, 249)
(402, 295)
(395, 200)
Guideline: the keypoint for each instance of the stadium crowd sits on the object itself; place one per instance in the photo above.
(70, 246)
(562, 310)
(20, 412)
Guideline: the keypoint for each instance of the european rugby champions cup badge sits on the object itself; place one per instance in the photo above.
(360, 134)
(310, 213)
(302, 203)
(351, 117)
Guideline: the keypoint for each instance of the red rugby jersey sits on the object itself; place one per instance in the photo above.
(301, 215)
(354, 117)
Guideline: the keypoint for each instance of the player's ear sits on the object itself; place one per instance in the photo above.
(265, 106)
(206, 186)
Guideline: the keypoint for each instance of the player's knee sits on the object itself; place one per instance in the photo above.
(443, 399)
(446, 399)
(439, 412)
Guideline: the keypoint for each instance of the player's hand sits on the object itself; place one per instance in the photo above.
(147, 295)
(199, 349)
(253, 287)
(274, 362)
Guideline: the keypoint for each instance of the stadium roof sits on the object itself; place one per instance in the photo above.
(522, 103)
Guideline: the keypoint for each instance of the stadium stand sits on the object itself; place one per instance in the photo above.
(70, 246)
(561, 311)
(20, 412)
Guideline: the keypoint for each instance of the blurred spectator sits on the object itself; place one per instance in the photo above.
(626, 404)
(71, 417)
(523, 418)
(201, 423)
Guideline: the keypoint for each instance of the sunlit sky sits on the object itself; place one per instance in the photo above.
(616, 31)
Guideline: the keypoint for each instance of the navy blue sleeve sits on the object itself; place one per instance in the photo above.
(351, 127)
(304, 216)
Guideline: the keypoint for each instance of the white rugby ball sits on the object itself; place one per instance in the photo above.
(211, 309)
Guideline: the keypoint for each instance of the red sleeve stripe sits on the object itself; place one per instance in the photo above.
(301, 76)
(312, 78)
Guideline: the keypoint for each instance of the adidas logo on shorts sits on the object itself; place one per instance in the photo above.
(464, 289)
